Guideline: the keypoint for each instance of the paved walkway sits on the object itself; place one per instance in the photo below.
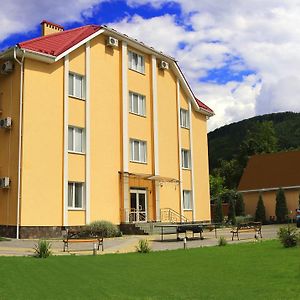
(129, 242)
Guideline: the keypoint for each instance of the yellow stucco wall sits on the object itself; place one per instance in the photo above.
(168, 138)
(105, 131)
(201, 176)
(42, 180)
(269, 198)
(9, 107)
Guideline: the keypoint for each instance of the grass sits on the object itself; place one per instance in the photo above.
(243, 271)
(2, 239)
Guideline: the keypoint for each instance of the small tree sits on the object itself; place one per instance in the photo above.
(218, 213)
(239, 205)
(260, 214)
(231, 211)
(281, 210)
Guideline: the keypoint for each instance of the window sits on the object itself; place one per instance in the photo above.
(137, 104)
(77, 86)
(184, 118)
(185, 159)
(187, 200)
(138, 151)
(76, 139)
(136, 62)
(75, 195)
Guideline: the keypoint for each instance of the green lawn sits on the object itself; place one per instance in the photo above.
(244, 271)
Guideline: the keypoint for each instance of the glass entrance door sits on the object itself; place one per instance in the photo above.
(138, 206)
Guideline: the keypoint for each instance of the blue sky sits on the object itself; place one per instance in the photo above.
(240, 57)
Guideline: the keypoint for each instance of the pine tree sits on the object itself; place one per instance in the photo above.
(218, 213)
(260, 214)
(239, 205)
(281, 210)
(231, 211)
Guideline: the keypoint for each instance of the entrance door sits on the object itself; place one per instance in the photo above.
(138, 206)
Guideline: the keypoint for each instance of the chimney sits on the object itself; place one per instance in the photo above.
(50, 28)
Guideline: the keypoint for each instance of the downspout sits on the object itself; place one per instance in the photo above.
(21, 63)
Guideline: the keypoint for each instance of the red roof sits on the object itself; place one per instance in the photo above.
(203, 106)
(57, 43)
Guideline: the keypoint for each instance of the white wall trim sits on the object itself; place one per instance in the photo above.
(125, 127)
(155, 115)
(155, 135)
(125, 107)
(192, 162)
(179, 146)
(87, 133)
(270, 189)
(66, 121)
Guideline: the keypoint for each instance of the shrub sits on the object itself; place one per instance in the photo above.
(42, 249)
(239, 205)
(231, 211)
(288, 236)
(222, 241)
(244, 219)
(281, 210)
(143, 246)
(218, 213)
(103, 229)
(260, 214)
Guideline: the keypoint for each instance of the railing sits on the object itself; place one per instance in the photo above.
(169, 215)
(133, 215)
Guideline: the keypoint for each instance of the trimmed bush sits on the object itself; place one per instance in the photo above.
(231, 212)
(222, 241)
(143, 247)
(288, 236)
(239, 205)
(103, 228)
(260, 214)
(42, 249)
(244, 219)
(218, 213)
(281, 210)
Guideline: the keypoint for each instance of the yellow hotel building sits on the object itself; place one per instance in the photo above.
(95, 125)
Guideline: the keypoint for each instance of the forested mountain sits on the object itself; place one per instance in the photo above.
(225, 142)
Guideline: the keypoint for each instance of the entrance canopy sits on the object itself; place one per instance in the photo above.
(152, 177)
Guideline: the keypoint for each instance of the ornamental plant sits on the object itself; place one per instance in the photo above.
(260, 213)
(43, 249)
(281, 210)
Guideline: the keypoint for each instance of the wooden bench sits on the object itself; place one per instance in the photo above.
(76, 236)
(247, 227)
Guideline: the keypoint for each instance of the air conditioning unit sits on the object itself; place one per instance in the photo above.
(5, 123)
(112, 42)
(7, 67)
(4, 183)
(163, 65)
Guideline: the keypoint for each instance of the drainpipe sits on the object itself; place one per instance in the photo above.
(21, 63)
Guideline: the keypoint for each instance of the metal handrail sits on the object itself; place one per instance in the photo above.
(171, 216)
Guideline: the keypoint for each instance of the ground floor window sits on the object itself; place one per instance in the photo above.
(75, 195)
(187, 200)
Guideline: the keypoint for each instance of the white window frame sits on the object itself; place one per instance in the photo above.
(184, 118)
(136, 67)
(142, 160)
(185, 152)
(141, 104)
(73, 150)
(187, 205)
(83, 86)
(73, 207)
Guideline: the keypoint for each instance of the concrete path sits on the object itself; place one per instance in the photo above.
(129, 242)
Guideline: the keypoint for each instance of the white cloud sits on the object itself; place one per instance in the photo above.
(23, 16)
(263, 35)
